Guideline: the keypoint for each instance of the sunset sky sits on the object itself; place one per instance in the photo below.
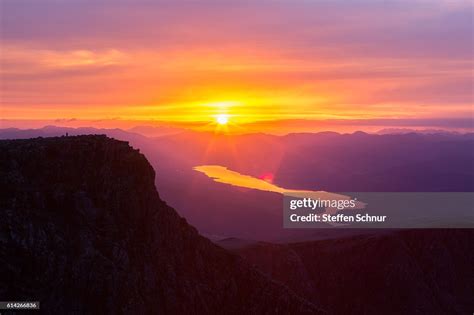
(290, 63)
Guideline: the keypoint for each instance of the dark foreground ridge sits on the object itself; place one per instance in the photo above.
(83, 230)
(399, 272)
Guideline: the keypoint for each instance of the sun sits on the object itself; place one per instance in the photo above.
(222, 119)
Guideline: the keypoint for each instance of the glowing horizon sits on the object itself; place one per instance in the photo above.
(188, 63)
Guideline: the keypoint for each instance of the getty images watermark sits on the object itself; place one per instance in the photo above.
(378, 210)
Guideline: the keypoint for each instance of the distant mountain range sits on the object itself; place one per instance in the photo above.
(320, 161)
(394, 131)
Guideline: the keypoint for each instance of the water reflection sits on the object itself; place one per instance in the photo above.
(222, 174)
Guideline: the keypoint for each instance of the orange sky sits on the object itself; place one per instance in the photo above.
(262, 61)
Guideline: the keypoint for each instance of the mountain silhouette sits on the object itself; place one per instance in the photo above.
(84, 231)
(394, 272)
(314, 161)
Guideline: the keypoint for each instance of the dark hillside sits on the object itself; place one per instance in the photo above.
(83, 230)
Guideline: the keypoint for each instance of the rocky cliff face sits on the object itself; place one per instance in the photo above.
(403, 272)
(83, 230)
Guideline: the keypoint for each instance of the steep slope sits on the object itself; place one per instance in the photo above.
(83, 230)
(403, 272)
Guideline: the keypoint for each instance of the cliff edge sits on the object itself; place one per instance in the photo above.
(83, 230)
